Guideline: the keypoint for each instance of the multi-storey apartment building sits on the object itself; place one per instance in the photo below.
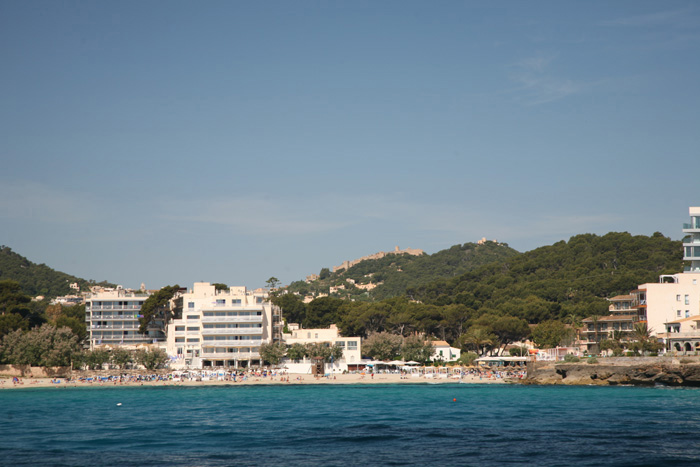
(112, 318)
(222, 328)
(623, 314)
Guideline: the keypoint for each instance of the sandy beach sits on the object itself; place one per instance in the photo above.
(7, 383)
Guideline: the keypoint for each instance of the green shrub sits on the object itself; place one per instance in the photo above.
(654, 354)
(592, 360)
(571, 358)
(629, 354)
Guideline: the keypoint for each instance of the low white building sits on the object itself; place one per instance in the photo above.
(442, 351)
(222, 328)
(352, 351)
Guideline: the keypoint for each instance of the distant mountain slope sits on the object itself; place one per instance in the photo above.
(37, 279)
(567, 278)
(390, 276)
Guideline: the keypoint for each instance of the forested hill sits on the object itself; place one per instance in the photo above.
(393, 274)
(36, 279)
(565, 279)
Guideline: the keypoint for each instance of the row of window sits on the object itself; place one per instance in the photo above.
(232, 350)
(219, 314)
(224, 302)
(231, 338)
(115, 304)
(232, 326)
(352, 345)
(614, 326)
(687, 299)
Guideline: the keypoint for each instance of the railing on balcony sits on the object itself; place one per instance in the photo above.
(231, 356)
(97, 317)
(233, 343)
(115, 307)
(229, 343)
(232, 331)
(684, 335)
(232, 319)
(108, 327)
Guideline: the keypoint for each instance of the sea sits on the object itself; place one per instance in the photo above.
(329, 425)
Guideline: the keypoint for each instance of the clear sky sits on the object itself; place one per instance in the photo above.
(171, 142)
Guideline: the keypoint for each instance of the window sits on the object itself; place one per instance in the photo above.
(258, 300)
(316, 335)
(193, 339)
(193, 328)
(687, 300)
(340, 344)
(179, 339)
(190, 305)
(179, 328)
(192, 317)
(220, 301)
(678, 297)
(678, 313)
(352, 345)
(687, 313)
(236, 301)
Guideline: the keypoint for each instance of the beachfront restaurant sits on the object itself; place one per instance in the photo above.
(502, 363)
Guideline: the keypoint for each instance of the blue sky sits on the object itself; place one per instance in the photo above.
(173, 142)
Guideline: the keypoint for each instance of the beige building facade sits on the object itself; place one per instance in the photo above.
(112, 319)
(222, 328)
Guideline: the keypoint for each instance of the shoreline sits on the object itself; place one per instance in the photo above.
(292, 380)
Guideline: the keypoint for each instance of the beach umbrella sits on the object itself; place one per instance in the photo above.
(412, 363)
(396, 362)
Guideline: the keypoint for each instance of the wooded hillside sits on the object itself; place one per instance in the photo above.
(37, 279)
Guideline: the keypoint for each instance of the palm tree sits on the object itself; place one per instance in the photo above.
(574, 320)
(595, 320)
(479, 336)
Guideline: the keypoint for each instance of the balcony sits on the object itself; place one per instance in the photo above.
(110, 327)
(229, 307)
(229, 343)
(232, 319)
(233, 343)
(101, 317)
(232, 331)
(114, 307)
(692, 227)
(685, 335)
(231, 356)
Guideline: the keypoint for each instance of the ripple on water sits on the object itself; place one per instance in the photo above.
(341, 425)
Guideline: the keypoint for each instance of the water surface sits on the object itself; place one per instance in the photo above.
(446, 424)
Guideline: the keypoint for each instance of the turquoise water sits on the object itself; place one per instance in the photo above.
(350, 425)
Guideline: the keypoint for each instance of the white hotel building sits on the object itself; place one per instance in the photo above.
(673, 304)
(222, 328)
(112, 318)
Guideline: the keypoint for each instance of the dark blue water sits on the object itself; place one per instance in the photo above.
(351, 425)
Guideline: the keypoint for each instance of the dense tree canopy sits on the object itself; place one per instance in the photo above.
(156, 306)
(567, 278)
(393, 274)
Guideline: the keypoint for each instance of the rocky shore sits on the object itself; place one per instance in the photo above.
(670, 371)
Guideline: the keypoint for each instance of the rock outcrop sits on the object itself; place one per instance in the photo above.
(647, 372)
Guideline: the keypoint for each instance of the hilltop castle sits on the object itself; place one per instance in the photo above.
(381, 254)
